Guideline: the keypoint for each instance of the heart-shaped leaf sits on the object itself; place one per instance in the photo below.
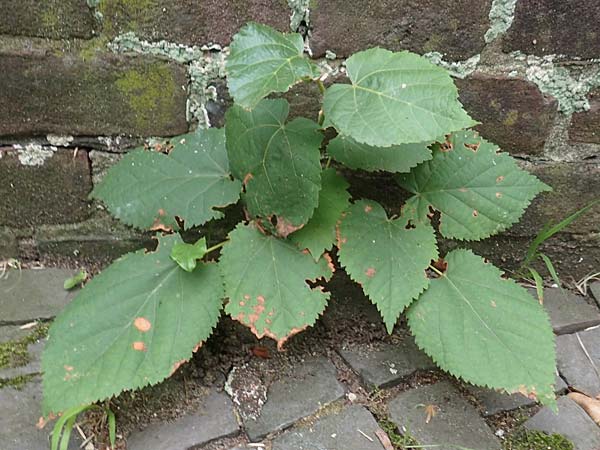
(187, 255)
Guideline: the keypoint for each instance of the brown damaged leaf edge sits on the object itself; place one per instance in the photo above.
(181, 362)
(285, 228)
(158, 225)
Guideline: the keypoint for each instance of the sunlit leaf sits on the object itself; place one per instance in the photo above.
(186, 255)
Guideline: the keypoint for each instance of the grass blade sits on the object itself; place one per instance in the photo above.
(551, 269)
(66, 436)
(112, 427)
(539, 284)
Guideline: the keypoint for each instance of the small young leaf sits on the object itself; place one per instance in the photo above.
(387, 257)
(397, 158)
(394, 98)
(263, 61)
(186, 255)
(266, 283)
(148, 189)
(478, 190)
(485, 329)
(131, 326)
(75, 280)
(318, 234)
(279, 162)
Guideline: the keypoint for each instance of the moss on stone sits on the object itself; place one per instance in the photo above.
(399, 441)
(150, 92)
(120, 16)
(535, 440)
(17, 382)
(14, 353)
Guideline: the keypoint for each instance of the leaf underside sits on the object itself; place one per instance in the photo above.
(394, 98)
(263, 61)
(131, 326)
(148, 189)
(318, 235)
(266, 284)
(484, 329)
(279, 162)
(385, 257)
(478, 191)
(397, 158)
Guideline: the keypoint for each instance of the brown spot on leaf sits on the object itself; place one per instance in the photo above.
(463, 189)
(285, 228)
(475, 213)
(242, 303)
(142, 324)
(158, 225)
(247, 178)
(139, 346)
(368, 209)
(446, 147)
(500, 179)
(498, 195)
(68, 368)
(473, 147)
(246, 297)
(370, 272)
(493, 303)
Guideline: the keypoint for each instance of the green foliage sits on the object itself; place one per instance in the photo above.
(149, 189)
(388, 258)
(75, 280)
(478, 191)
(394, 98)
(536, 440)
(485, 329)
(133, 324)
(63, 427)
(266, 284)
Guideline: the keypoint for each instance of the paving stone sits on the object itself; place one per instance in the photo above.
(105, 94)
(584, 125)
(32, 294)
(595, 290)
(456, 422)
(514, 114)
(214, 419)
(312, 386)
(47, 191)
(21, 410)
(49, 18)
(388, 365)
(454, 28)
(494, 402)
(9, 246)
(574, 365)
(34, 366)
(337, 431)
(12, 333)
(568, 312)
(543, 27)
(571, 421)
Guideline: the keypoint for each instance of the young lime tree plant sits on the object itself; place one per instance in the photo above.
(135, 323)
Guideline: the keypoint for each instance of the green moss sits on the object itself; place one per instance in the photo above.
(15, 354)
(92, 47)
(150, 92)
(399, 441)
(535, 440)
(120, 16)
(17, 382)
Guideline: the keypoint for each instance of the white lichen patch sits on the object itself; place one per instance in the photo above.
(59, 141)
(34, 154)
(502, 14)
(458, 69)
(300, 12)
(247, 391)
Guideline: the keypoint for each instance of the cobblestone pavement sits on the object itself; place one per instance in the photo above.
(344, 386)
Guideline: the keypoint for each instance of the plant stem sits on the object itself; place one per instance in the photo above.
(215, 247)
(321, 86)
(441, 274)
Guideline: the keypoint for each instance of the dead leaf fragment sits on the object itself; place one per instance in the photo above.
(590, 405)
(430, 411)
(261, 352)
(384, 439)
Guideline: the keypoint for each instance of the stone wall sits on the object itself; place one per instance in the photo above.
(84, 80)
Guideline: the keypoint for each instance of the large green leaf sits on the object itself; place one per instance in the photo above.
(394, 98)
(387, 257)
(319, 233)
(485, 329)
(279, 162)
(478, 190)
(148, 189)
(262, 61)
(131, 326)
(266, 281)
(397, 158)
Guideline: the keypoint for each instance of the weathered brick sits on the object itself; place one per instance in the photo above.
(585, 126)
(565, 27)
(49, 18)
(190, 22)
(37, 191)
(513, 113)
(454, 28)
(103, 94)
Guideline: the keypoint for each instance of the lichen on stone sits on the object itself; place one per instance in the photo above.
(300, 13)
(34, 154)
(458, 69)
(502, 14)
(59, 141)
